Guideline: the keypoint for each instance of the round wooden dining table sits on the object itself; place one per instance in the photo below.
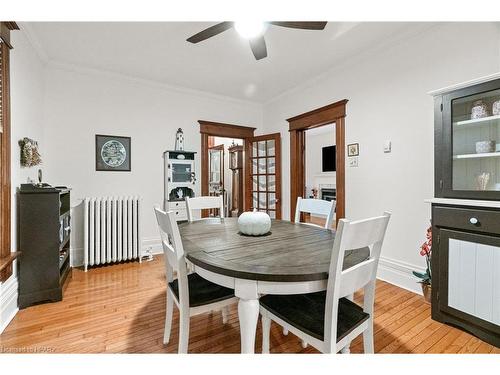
(291, 259)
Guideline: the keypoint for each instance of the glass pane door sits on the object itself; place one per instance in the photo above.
(476, 142)
(265, 174)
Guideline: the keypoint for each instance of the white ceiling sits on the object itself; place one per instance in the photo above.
(223, 64)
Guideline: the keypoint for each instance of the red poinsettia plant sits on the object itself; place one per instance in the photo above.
(426, 251)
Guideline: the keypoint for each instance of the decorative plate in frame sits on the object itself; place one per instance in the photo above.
(112, 153)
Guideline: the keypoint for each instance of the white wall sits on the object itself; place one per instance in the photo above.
(27, 98)
(80, 104)
(387, 93)
(316, 139)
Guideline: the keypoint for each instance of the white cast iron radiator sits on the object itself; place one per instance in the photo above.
(112, 231)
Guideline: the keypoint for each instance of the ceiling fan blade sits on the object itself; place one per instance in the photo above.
(305, 25)
(258, 46)
(210, 32)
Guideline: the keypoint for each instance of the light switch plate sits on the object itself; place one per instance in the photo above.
(387, 146)
(353, 162)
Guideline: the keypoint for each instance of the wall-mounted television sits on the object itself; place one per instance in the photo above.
(329, 159)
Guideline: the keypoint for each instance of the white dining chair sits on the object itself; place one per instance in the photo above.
(330, 320)
(316, 207)
(191, 293)
(202, 203)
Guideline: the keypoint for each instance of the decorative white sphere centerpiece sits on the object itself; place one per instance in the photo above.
(254, 223)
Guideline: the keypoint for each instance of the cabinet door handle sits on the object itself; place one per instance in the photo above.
(473, 221)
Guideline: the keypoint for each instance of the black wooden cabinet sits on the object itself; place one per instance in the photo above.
(44, 237)
(466, 210)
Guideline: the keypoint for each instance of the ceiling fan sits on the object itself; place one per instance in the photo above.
(254, 32)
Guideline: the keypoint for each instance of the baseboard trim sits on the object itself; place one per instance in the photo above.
(76, 256)
(151, 245)
(390, 270)
(8, 302)
(399, 273)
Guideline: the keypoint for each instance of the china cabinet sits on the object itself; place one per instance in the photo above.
(179, 181)
(466, 208)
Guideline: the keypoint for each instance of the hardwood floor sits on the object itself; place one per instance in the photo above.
(121, 309)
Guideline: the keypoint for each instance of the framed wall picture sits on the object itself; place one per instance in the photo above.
(112, 153)
(353, 149)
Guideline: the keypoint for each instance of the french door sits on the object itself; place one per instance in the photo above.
(263, 174)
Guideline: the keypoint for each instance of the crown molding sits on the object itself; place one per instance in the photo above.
(33, 39)
(146, 82)
(357, 58)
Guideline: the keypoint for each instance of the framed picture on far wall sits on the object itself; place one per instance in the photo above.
(353, 149)
(112, 153)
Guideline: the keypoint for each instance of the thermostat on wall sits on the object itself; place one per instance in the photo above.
(387, 146)
(353, 162)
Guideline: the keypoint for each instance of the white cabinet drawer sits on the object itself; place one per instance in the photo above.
(180, 205)
(180, 214)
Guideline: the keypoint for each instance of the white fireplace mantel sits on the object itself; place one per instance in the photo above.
(325, 180)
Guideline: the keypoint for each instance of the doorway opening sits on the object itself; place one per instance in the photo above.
(260, 166)
(225, 171)
(321, 117)
(320, 168)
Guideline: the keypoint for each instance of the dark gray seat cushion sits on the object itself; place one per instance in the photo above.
(307, 313)
(202, 291)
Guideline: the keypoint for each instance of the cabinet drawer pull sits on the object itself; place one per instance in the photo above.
(473, 221)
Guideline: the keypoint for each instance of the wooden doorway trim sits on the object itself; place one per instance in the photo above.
(6, 256)
(332, 113)
(210, 129)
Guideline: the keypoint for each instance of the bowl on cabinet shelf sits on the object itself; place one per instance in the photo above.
(485, 147)
(495, 108)
(478, 110)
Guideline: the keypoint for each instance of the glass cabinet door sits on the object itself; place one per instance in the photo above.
(181, 172)
(475, 131)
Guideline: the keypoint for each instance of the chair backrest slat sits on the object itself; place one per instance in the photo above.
(173, 251)
(316, 207)
(353, 235)
(356, 277)
(202, 203)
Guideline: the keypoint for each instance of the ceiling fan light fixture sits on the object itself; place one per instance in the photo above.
(249, 29)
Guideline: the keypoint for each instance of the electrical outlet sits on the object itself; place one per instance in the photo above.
(353, 162)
